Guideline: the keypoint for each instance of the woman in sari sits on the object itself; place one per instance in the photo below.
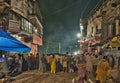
(53, 65)
(81, 65)
(103, 71)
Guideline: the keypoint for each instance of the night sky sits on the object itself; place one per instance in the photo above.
(61, 23)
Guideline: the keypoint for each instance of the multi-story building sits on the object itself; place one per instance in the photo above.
(110, 13)
(22, 19)
(104, 23)
(94, 29)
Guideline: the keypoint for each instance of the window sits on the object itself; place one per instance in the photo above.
(30, 27)
(92, 30)
(114, 4)
(113, 29)
(22, 24)
(27, 26)
(119, 23)
(97, 30)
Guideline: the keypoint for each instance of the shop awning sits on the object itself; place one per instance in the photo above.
(9, 43)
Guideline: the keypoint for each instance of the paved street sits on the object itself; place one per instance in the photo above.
(38, 77)
(35, 76)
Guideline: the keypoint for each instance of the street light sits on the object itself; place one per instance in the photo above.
(78, 41)
(78, 35)
(36, 30)
(81, 26)
(81, 32)
(75, 53)
(81, 29)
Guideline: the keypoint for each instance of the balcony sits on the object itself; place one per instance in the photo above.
(6, 1)
(34, 19)
(32, 39)
(24, 33)
(3, 5)
(98, 34)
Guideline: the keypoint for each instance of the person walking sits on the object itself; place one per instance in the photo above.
(40, 63)
(89, 64)
(103, 70)
(81, 65)
(65, 64)
(32, 60)
(95, 63)
(111, 61)
(20, 62)
(53, 65)
(119, 63)
(44, 63)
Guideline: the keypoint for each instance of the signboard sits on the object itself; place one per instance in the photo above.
(14, 26)
(33, 39)
(37, 39)
(27, 39)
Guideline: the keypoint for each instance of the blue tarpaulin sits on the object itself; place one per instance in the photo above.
(9, 43)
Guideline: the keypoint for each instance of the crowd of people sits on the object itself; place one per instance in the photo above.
(56, 63)
(17, 63)
(98, 65)
(13, 64)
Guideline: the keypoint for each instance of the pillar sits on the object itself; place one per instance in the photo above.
(117, 26)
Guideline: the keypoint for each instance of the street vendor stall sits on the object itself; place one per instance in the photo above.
(10, 44)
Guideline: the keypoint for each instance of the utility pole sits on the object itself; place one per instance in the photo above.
(70, 49)
(47, 48)
(59, 48)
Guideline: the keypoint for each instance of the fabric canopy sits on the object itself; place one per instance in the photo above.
(115, 42)
(9, 43)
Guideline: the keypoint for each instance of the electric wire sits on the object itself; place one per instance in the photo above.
(85, 8)
(95, 8)
(62, 9)
(72, 5)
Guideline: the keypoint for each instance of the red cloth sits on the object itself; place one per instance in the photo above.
(32, 57)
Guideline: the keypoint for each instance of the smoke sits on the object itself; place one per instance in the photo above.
(59, 34)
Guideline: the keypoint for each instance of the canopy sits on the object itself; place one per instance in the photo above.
(115, 42)
(9, 43)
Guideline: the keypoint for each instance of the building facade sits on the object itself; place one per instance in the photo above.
(103, 24)
(22, 19)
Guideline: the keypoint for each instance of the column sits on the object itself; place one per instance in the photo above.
(117, 26)
(110, 30)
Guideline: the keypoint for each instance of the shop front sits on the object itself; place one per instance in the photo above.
(94, 45)
(34, 42)
(112, 46)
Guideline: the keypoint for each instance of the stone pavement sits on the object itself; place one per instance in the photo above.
(115, 75)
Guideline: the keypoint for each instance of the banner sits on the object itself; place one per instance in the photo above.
(37, 39)
(14, 26)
